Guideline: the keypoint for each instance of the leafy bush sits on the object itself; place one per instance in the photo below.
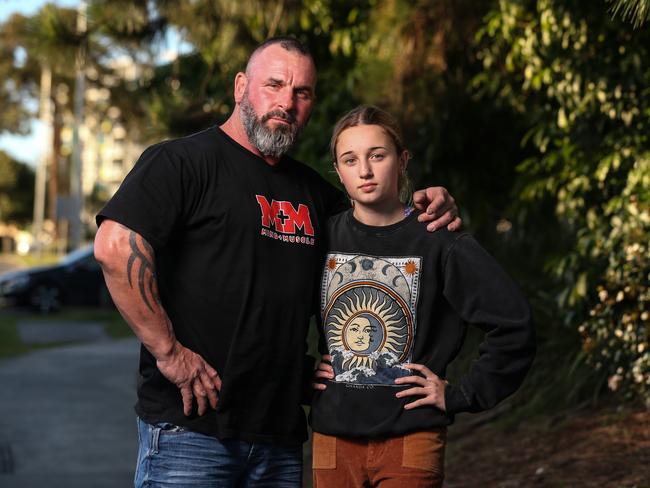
(581, 80)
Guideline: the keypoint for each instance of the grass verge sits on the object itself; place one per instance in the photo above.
(11, 345)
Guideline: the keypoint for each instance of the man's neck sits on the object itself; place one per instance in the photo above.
(234, 128)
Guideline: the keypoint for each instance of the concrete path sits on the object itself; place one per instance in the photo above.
(66, 417)
(49, 331)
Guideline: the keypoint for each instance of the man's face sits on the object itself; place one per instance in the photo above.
(278, 99)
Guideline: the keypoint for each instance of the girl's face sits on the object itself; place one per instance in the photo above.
(368, 165)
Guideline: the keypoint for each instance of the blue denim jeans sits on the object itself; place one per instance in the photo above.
(171, 456)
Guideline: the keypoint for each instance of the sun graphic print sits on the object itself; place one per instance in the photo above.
(368, 308)
(365, 318)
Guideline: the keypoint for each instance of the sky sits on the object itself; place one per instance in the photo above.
(28, 149)
(28, 7)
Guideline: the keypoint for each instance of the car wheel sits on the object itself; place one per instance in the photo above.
(46, 298)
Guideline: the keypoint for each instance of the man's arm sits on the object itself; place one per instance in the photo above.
(128, 264)
(438, 207)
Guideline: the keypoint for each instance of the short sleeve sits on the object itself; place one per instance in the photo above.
(150, 200)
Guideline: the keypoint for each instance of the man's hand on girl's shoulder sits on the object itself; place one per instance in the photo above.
(438, 208)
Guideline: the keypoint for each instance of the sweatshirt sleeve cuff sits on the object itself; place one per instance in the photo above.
(455, 401)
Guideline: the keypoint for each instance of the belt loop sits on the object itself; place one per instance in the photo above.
(155, 436)
(251, 448)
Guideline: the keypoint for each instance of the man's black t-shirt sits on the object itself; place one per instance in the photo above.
(398, 294)
(238, 246)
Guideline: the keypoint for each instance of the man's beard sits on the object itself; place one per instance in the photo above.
(268, 141)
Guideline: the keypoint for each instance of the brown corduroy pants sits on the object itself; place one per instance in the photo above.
(411, 461)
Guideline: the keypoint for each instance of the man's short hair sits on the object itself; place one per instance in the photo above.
(287, 43)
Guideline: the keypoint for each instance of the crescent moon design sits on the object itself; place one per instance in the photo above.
(338, 273)
(353, 265)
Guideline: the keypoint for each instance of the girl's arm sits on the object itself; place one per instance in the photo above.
(483, 295)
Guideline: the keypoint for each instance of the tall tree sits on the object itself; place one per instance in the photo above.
(47, 38)
(580, 80)
(16, 190)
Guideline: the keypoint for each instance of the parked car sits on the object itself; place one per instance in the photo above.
(76, 280)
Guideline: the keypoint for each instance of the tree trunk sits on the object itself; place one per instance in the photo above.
(53, 182)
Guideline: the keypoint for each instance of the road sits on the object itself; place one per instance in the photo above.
(66, 417)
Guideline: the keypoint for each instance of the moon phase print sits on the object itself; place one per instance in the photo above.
(368, 307)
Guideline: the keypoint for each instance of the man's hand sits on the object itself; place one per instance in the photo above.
(431, 388)
(438, 208)
(323, 371)
(193, 377)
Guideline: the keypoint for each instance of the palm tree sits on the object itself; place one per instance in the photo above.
(50, 40)
(42, 44)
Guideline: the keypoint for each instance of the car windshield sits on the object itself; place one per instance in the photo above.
(77, 255)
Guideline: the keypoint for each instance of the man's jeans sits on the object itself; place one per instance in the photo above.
(171, 456)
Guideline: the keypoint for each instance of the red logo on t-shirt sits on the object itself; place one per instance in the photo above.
(284, 218)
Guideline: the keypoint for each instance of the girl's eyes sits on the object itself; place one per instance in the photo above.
(372, 157)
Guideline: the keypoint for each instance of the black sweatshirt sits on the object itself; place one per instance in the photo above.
(399, 294)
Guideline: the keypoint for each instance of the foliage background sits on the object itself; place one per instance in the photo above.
(533, 113)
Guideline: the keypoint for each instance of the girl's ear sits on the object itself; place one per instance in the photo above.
(336, 168)
(404, 161)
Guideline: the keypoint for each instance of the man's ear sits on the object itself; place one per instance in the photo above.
(240, 86)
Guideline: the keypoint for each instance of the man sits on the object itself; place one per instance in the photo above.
(211, 250)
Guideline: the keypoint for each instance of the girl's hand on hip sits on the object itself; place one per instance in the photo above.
(430, 387)
(324, 371)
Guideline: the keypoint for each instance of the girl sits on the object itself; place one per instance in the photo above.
(395, 301)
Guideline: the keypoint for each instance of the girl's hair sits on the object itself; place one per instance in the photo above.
(371, 115)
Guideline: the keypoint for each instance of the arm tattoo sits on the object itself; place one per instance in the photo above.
(145, 270)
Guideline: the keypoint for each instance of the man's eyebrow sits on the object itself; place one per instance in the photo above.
(298, 88)
(309, 88)
(275, 80)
